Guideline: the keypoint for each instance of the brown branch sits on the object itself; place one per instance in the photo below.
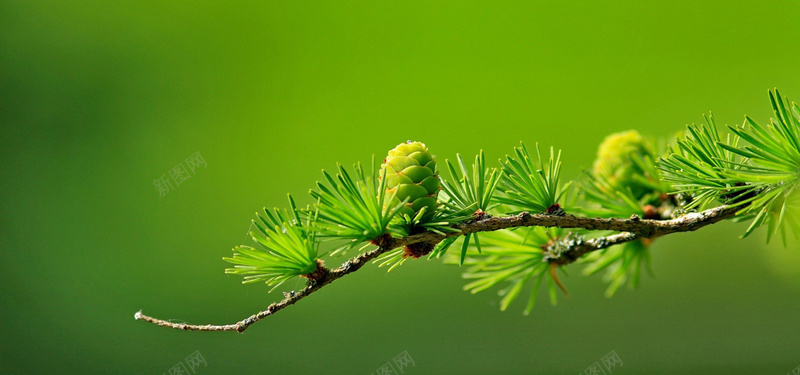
(567, 252)
(347, 267)
(575, 249)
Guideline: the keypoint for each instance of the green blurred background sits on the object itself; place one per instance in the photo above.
(99, 98)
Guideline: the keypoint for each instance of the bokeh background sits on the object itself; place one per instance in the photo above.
(98, 99)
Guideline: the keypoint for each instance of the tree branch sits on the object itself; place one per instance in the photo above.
(567, 251)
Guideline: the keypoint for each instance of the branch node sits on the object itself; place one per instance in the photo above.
(651, 212)
(480, 215)
(555, 210)
(417, 250)
(319, 274)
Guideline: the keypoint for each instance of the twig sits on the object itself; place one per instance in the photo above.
(633, 228)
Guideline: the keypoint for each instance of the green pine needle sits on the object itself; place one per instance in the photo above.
(762, 175)
(772, 168)
(529, 185)
(391, 259)
(286, 247)
(441, 222)
(623, 264)
(354, 209)
(701, 165)
(513, 257)
(468, 192)
(473, 190)
(613, 201)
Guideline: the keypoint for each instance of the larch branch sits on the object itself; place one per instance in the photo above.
(632, 229)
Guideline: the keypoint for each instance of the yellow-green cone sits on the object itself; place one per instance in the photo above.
(411, 172)
(614, 164)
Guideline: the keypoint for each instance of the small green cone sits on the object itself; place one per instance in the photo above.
(614, 164)
(411, 172)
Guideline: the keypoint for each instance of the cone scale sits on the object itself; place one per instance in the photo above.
(411, 174)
